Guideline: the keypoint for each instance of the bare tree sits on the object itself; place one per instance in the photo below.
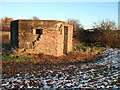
(76, 23)
(77, 27)
(105, 25)
(35, 18)
(6, 20)
(106, 32)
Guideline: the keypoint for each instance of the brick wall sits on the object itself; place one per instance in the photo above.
(51, 41)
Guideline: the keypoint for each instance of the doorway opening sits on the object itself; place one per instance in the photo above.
(65, 39)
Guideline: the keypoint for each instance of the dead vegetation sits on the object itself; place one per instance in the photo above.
(25, 62)
(20, 61)
(16, 62)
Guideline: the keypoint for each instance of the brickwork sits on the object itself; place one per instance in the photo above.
(42, 36)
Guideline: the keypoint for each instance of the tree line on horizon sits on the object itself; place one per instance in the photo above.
(103, 33)
(5, 22)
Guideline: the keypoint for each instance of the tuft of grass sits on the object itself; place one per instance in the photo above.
(107, 46)
(14, 58)
(89, 48)
(98, 48)
(83, 48)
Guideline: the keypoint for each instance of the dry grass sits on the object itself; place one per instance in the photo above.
(5, 37)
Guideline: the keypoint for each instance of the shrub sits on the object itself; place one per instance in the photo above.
(103, 34)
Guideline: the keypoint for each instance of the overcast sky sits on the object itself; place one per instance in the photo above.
(85, 12)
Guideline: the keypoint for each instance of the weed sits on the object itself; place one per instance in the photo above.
(84, 48)
(89, 48)
(14, 58)
(108, 46)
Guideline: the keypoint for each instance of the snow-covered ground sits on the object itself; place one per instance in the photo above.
(104, 73)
